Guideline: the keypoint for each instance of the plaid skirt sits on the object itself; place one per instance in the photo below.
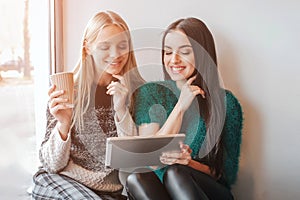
(59, 187)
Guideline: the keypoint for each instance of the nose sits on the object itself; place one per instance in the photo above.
(114, 52)
(175, 59)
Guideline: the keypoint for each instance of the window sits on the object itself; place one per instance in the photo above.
(24, 69)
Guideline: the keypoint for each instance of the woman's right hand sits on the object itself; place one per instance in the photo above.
(188, 93)
(60, 109)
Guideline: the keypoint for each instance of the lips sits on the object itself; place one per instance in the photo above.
(114, 63)
(177, 69)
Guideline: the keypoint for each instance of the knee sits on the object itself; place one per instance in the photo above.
(173, 172)
(134, 187)
(132, 180)
(41, 179)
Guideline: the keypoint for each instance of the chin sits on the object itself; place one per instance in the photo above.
(177, 78)
(113, 71)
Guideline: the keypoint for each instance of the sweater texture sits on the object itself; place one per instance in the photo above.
(82, 156)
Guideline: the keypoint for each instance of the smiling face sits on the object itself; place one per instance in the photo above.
(178, 55)
(110, 50)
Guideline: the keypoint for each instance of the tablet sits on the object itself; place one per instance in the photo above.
(139, 151)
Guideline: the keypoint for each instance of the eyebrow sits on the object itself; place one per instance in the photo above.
(106, 42)
(124, 41)
(183, 46)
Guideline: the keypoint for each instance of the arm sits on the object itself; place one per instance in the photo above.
(187, 95)
(233, 137)
(54, 152)
(200, 167)
(124, 123)
(153, 104)
(55, 149)
(171, 126)
(125, 126)
(163, 95)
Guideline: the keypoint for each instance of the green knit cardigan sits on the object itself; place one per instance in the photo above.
(156, 100)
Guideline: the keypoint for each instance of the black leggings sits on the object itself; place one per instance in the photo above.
(180, 182)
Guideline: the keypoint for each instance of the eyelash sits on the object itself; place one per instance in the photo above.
(185, 53)
(104, 48)
(121, 46)
(181, 52)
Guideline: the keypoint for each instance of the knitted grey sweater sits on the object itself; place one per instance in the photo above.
(82, 156)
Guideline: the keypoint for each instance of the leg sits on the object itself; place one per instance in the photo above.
(145, 186)
(123, 177)
(183, 182)
(53, 186)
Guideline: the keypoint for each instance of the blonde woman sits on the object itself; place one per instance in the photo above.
(73, 151)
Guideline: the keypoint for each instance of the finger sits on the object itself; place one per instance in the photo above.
(180, 158)
(183, 154)
(182, 161)
(167, 161)
(120, 78)
(116, 84)
(185, 148)
(111, 92)
(56, 101)
(198, 89)
(202, 93)
(189, 82)
(197, 92)
(56, 94)
(112, 84)
(190, 150)
(59, 107)
(171, 161)
(181, 144)
(172, 155)
(51, 89)
(117, 89)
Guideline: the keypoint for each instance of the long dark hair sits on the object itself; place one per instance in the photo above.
(203, 46)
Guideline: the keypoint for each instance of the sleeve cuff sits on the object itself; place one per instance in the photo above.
(56, 152)
(125, 126)
(57, 137)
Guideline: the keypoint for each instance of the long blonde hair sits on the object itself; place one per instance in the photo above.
(85, 72)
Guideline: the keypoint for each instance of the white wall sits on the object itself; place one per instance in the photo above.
(258, 46)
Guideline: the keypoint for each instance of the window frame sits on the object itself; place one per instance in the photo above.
(56, 36)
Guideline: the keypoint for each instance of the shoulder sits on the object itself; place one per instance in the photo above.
(234, 112)
(232, 102)
(230, 96)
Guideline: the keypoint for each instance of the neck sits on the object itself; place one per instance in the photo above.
(104, 79)
(180, 83)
